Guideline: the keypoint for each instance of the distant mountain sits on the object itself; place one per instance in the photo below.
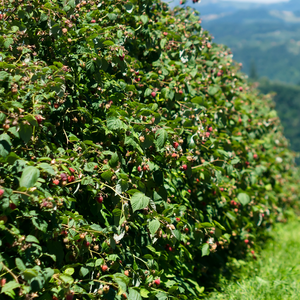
(264, 37)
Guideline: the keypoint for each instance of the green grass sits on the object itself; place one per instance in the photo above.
(275, 274)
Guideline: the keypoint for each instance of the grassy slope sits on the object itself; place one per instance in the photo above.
(276, 273)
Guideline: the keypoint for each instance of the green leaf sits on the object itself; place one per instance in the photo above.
(122, 280)
(66, 278)
(115, 124)
(20, 265)
(198, 100)
(5, 145)
(25, 132)
(243, 198)
(144, 19)
(212, 90)
(46, 168)
(29, 274)
(29, 176)
(90, 167)
(3, 75)
(8, 42)
(163, 43)
(139, 201)
(112, 16)
(40, 224)
(83, 271)
(153, 226)
(134, 295)
(144, 293)
(161, 137)
(205, 249)
(9, 286)
(113, 162)
(31, 239)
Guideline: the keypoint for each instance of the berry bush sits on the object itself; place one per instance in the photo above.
(135, 159)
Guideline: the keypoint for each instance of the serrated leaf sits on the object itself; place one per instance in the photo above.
(66, 278)
(29, 176)
(115, 124)
(212, 90)
(205, 249)
(139, 201)
(144, 19)
(5, 145)
(243, 198)
(113, 162)
(122, 280)
(163, 43)
(161, 137)
(153, 226)
(25, 132)
(20, 265)
(31, 239)
(9, 286)
(28, 274)
(46, 168)
(134, 295)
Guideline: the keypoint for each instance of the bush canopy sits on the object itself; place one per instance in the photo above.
(135, 159)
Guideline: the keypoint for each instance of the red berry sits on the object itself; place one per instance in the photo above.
(177, 219)
(219, 74)
(139, 168)
(72, 170)
(184, 167)
(122, 57)
(1, 192)
(210, 129)
(247, 163)
(145, 167)
(104, 268)
(175, 145)
(93, 21)
(157, 281)
(232, 202)
(54, 298)
(255, 156)
(126, 272)
(99, 199)
(71, 178)
(137, 73)
(153, 94)
(241, 89)
(39, 119)
(63, 177)
(165, 33)
(246, 241)
(189, 191)
(56, 181)
(207, 134)
(170, 249)
(252, 252)
(87, 244)
(186, 229)
(2, 282)
(221, 189)
(180, 92)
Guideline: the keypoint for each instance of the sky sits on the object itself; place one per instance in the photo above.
(258, 1)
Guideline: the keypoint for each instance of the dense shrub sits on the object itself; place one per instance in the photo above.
(134, 157)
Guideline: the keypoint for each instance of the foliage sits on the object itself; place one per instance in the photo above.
(286, 97)
(134, 158)
(273, 274)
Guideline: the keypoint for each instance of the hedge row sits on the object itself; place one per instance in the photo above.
(134, 157)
